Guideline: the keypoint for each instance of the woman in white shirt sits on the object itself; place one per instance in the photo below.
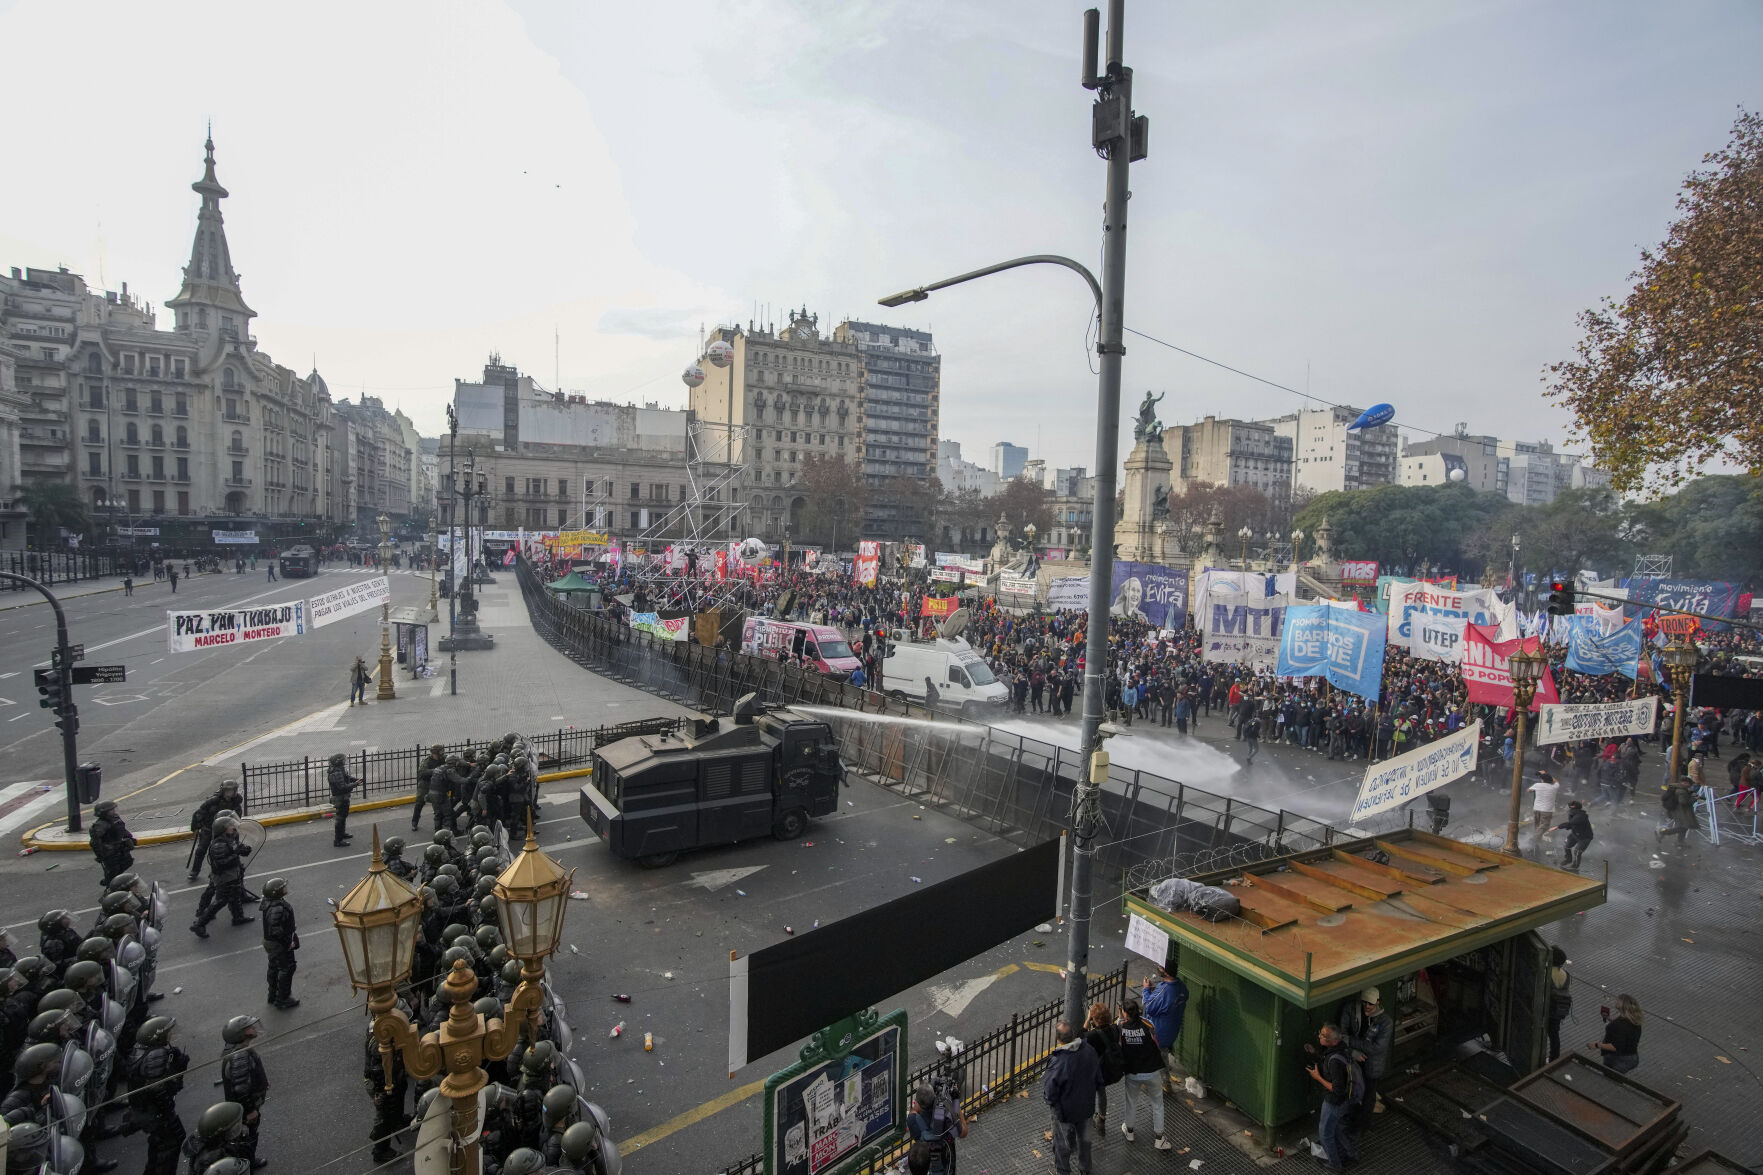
(1542, 805)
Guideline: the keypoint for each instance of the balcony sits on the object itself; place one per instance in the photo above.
(240, 450)
(181, 478)
(243, 482)
(180, 444)
(128, 406)
(182, 411)
(237, 416)
(132, 475)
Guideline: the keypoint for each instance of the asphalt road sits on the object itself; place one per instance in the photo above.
(636, 927)
(174, 708)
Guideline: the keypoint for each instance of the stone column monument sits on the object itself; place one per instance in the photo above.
(1142, 533)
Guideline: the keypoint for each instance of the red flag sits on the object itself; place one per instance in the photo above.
(1487, 675)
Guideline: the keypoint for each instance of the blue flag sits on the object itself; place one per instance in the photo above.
(1593, 652)
(1339, 644)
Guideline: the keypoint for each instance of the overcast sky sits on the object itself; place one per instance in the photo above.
(1396, 201)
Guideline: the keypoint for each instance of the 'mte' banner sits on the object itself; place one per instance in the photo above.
(1241, 629)
(349, 599)
(1487, 671)
(1394, 782)
(190, 632)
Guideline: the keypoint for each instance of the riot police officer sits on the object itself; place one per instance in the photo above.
(587, 1149)
(220, 1134)
(342, 785)
(226, 873)
(243, 1079)
(34, 1074)
(388, 1105)
(281, 938)
(446, 786)
(112, 843)
(227, 799)
(7, 955)
(395, 862)
(155, 1077)
(437, 758)
(60, 942)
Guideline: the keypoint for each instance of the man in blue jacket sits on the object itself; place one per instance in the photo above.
(1166, 1000)
(1074, 1074)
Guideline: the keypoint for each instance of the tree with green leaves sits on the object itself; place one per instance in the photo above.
(52, 506)
(1403, 526)
(835, 495)
(1672, 377)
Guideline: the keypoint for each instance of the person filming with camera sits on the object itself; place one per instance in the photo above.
(936, 1122)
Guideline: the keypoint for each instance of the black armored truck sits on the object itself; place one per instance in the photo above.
(713, 781)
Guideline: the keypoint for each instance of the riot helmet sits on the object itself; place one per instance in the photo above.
(487, 938)
(86, 974)
(434, 856)
(228, 1166)
(443, 836)
(444, 886)
(118, 925)
(511, 972)
(523, 1161)
(120, 902)
(275, 887)
(53, 918)
(62, 999)
(156, 1031)
(582, 1140)
(221, 1120)
(488, 1007)
(240, 1029)
(454, 930)
(52, 1026)
(224, 824)
(104, 808)
(95, 950)
(394, 846)
(559, 1104)
(37, 1060)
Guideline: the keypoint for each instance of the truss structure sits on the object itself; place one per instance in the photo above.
(1652, 565)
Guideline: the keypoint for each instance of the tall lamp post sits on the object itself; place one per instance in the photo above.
(377, 924)
(1680, 657)
(1297, 538)
(452, 555)
(1527, 670)
(1120, 136)
(386, 692)
(1245, 534)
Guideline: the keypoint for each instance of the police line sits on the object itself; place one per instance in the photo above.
(193, 632)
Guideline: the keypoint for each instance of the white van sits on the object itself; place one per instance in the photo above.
(964, 682)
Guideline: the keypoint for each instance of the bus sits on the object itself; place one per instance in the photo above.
(299, 563)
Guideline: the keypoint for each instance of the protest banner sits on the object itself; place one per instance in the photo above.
(1150, 592)
(1068, 591)
(1708, 597)
(1394, 782)
(1593, 651)
(234, 536)
(1487, 675)
(347, 600)
(1342, 645)
(868, 562)
(1016, 585)
(1241, 629)
(1571, 724)
(1416, 608)
(937, 606)
(189, 632)
(673, 629)
(1359, 572)
(947, 575)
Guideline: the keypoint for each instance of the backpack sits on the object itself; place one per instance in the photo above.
(1113, 1056)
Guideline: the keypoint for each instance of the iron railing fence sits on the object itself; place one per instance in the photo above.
(990, 1068)
(301, 783)
(53, 567)
(1008, 783)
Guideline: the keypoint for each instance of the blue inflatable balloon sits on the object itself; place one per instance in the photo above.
(1373, 416)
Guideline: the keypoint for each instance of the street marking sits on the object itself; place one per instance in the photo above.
(22, 803)
(691, 1117)
(715, 879)
(4, 676)
(953, 998)
(7, 702)
(316, 722)
(156, 661)
(26, 714)
(439, 688)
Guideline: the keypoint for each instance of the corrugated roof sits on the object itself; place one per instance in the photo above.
(1318, 925)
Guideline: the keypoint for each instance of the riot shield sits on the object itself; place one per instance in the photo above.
(253, 836)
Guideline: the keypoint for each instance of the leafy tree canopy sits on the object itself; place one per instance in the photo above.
(1672, 377)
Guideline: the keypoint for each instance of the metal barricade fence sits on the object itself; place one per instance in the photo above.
(990, 1068)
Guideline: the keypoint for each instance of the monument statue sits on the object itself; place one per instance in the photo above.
(1148, 427)
(1160, 503)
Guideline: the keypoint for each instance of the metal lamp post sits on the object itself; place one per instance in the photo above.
(1527, 670)
(386, 692)
(452, 555)
(434, 564)
(1680, 657)
(1245, 534)
(1297, 538)
(377, 925)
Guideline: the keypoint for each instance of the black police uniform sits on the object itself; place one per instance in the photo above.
(243, 1080)
(342, 784)
(155, 1076)
(389, 1116)
(202, 824)
(113, 845)
(226, 871)
(280, 940)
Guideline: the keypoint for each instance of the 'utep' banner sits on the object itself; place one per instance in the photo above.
(1487, 671)
(1710, 597)
(1571, 724)
(1150, 592)
(1592, 651)
(1344, 646)
(191, 632)
(1428, 620)
(1394, 782)
(348, 600)
(1241, 629)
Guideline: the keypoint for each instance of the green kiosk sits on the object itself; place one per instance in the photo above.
(1445, 930)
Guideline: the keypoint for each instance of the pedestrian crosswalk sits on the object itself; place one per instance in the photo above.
(23, 805)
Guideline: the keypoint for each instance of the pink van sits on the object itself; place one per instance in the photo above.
(785, 640)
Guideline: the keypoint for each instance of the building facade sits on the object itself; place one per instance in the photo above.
(899, 412)
(960, 476)
(171, 430)
(1008, 459)
(784, 396)
(1230, 453)
(1527, 473)
(381, 462)
(1328, 455)
(556, 461)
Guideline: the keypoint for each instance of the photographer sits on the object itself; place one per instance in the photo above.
(1342, 1086)
(936, 1122)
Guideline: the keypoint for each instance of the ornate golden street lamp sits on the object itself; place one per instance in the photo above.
(377, 924)
(386, 692)
(1527, 670)
(1680, 657)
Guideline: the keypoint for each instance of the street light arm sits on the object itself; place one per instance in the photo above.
(521, 1011)
(392, 1028)
(920, 293)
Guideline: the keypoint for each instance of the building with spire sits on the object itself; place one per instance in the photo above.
(169, 435)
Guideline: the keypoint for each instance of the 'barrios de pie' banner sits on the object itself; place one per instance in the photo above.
(191, 632)
(1343, 646)
(347, 600)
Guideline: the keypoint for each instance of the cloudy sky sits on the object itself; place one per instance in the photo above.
(1379, 201)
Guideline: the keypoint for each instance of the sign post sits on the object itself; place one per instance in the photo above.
(844, 1103)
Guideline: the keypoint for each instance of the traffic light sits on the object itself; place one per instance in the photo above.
(49, 691)
(69, 719)
(1561, 601)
